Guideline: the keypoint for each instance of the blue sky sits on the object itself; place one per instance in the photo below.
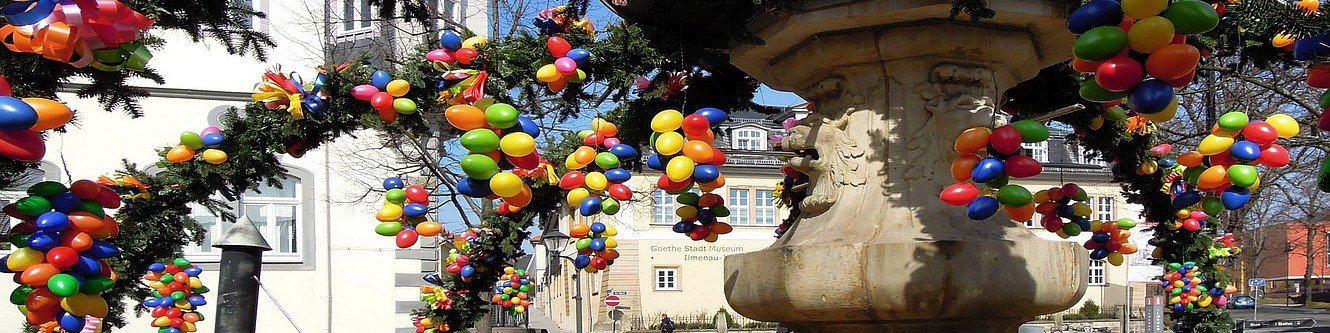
(602, 17)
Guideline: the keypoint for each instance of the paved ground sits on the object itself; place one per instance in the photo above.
(538, 320)
(1263, 312)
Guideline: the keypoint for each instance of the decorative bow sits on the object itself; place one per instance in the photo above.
(100, 33)
(461, 86)
(1139, 125)
(557, 19)
(288, 90)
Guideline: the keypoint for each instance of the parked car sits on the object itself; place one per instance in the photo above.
(1241, 302)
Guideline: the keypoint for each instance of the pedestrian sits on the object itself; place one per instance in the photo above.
(666, 325)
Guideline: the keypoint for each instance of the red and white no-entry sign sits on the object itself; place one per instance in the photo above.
(612, 301)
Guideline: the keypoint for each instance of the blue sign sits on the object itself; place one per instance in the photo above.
(1256, 282)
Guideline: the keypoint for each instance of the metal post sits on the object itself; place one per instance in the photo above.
(1256, 301)
(577, 295)
(1126, 310)
(242, 261)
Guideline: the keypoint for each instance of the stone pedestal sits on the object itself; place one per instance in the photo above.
(875, 250)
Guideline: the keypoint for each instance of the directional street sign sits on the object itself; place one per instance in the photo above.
(1256, 282)
(612, 301)
(1280, 323)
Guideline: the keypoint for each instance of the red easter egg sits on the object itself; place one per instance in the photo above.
(1119, 74)
(26, 146)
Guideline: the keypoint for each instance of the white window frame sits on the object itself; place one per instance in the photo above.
(750, 209)
(749, 139)
(740, 207)
(666, 279)
(1097, 273)
(764, 209)
(662, 212)
(447, 10)
(1105, 208)
(257, 23)
(361, 19)
(1037, 150)
(268, 227)
(1034, 220)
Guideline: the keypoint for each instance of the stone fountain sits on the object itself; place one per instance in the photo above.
(874, 250)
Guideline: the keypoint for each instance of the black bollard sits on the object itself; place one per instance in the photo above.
(242, 260)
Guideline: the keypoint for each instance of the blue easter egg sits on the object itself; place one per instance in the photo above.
(713, 115)
(380, 79)
(415, 210)
(988, 169)
(474, 188)
(618, 175)
(982, 208)
(450, 41)
(590, 206)
(1150, 97)
(1245, 151)
(392, 183)
(1095, 14)
(623, 151)
(16, 115)
(213, 139)
(655, 162)
(1235, 197)
(579, 55)
(705, 173)
(528, 126)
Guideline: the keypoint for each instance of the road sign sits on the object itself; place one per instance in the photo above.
(612, 301)
(618, 293)
(1256, 282)
(1280, 323)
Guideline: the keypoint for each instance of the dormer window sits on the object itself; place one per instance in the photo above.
(750, 139)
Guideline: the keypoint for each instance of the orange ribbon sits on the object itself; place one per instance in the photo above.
(100, 33)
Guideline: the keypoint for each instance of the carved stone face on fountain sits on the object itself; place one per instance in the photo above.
(955, 98)
(826, 172)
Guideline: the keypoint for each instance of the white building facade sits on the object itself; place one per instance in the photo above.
(327, 270)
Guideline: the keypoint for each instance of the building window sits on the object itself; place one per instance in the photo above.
(739, 209)
(1037, 150)
(1104, 210)
(750, 139)
(667, 278)
(1034, 220)
(277, 212)
(663, 211)
(764, 207)
(356, 16)
(1096, 272)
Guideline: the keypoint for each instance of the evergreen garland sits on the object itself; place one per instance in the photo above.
(30, 75)
(1055, 87)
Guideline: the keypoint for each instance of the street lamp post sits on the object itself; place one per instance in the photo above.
(555, 241)
(242, 261)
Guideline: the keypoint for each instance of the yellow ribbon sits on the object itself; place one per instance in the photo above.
(271, 92)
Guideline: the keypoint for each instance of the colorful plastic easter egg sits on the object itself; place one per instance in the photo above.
(1094, 14)
(22, 145)
(50, 113)
(1150, 34)
(16, 115)
(1100, 43)
(972, 140)
(959, 194)
(1191, 16)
